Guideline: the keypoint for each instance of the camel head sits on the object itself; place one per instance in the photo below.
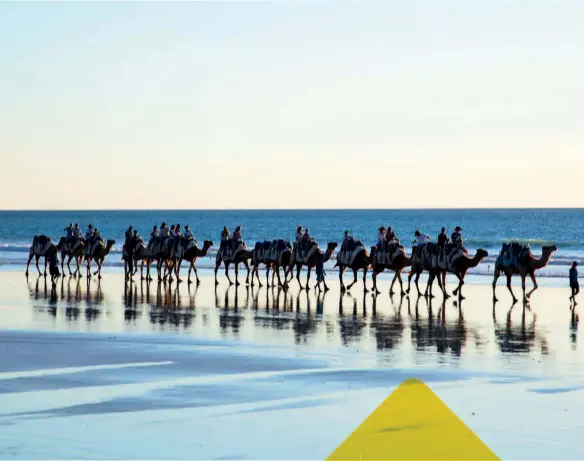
(207, 244)
(549, 249)
(332, 245)
(482, 253)
(110, 243)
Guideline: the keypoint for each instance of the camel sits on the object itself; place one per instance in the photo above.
(190, 255)
(64, 248)
(398, 264)
(98, 253)
(420, 264)
(523, 269)
(362, 261)
(164, 256)
(259, 256)
(282, 259)
(314, 259)
(42, 246)
(460, 267)
(241, 257)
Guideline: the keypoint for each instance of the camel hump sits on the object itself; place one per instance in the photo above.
(514, 254)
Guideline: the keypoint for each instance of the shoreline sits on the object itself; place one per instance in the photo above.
(481, 278)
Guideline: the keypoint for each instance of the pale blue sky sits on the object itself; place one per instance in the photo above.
(291, 104)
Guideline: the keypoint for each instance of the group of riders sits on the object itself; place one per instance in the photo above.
(164, 236)
(74, 236)
(386, 238)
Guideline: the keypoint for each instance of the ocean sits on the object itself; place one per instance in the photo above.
(482, 228)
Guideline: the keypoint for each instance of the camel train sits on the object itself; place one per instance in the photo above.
(281, 256)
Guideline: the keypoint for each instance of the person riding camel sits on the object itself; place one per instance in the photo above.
(155, 234)
(89, 233)
(225, 240)
(154, 237)
(164, 233)
(128, 235)
(76, 233)
(299, 238)
(441, 241)
(345, 240)
(381, 239)
(420, 239)
(95, 239)
(237, 238)
(178, 237)
(306, 242)
(457, 238)
(69, 233)
(188, 236)
(390, 236)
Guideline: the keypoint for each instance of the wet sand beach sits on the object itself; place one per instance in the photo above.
(148, 371)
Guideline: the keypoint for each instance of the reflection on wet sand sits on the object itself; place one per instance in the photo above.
(380, 323)
(513, 338)
(73, 294)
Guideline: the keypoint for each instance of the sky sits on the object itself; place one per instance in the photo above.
(307, 104)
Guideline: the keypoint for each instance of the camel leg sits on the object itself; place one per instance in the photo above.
(30, 255)
(365, 290)
(523, 287)
(46, 261)
(142, 269)
(429, 284)
(267, 276)
(227, 273)
(88, 269)
(374, 279)
(417, 285)
(98, 272)
(401, 283)
(532, 276)
(196, 275)
(354, 279)
(246, 264)
(410, 275)
(216, 269)
(308, 270)
(341, 272)
(189, 273)
(37, 264)
(458, 289)
(236, 274)
(177, 272)
(68, 265)
(495, 278)
(443, 286)
(395, 275)
(298, 277)
(509, 287)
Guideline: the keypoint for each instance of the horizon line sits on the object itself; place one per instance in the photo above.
(31, 210)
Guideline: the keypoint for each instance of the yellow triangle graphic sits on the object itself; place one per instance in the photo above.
(412, 424)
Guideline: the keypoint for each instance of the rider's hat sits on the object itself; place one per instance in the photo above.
(458, 228)
(381, 228)
(417, 233)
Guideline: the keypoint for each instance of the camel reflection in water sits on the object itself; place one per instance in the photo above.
(519, 338)
(167, 307)
(300, 316)
(72, 294)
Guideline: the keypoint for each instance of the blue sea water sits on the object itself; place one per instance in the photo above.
(483, 228)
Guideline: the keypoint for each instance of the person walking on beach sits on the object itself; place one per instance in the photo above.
(320, 273)
(574, 285)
